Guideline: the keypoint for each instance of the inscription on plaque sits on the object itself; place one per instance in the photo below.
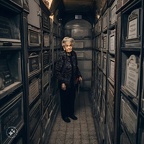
(112, 68)
(112, 42)
(131, 75)
(33, 62)
(34, 37)
(133, 25)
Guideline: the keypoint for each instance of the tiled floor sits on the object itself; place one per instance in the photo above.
(81, 131)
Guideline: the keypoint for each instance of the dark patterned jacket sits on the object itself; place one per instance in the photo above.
(64, 71)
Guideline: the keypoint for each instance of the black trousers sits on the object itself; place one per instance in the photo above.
(67, 99)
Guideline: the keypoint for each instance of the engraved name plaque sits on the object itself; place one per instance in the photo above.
(33, 90)
(33, 63)
(33, 36)
(131, 75)
(133, 31)
(112, 43)
(11, 115)
(112, 68)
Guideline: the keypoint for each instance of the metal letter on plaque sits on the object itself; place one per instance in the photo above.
(131, 75)
(133, 29)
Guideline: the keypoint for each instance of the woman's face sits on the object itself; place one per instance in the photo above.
(68, 47)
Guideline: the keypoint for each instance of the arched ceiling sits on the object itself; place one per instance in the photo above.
(86, 8)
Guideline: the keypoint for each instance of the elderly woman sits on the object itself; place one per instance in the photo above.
(68, 74)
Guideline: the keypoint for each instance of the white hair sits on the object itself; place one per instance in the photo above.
(67, 39)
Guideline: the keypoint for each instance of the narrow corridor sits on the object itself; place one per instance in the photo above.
(81, 131)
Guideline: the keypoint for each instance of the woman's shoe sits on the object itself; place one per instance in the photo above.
(66, 119)
(73, 117)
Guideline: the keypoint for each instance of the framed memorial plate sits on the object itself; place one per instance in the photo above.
(34, 37)
(112, 42)
(131, 75)
(133, 28)
(112, 68)
(33, 63)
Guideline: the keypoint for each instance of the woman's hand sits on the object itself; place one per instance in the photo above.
(63, 86)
